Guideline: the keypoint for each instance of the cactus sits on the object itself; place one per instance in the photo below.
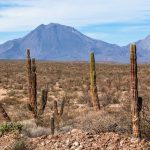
(62, 107)
(3, 112)
(43, 101)
(55, 108)
(140, 102)
(93, 83)
(134, 92)
(52, 125)
(34, 89)
(29, 79)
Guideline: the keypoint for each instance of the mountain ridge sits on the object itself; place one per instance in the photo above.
(59, 42)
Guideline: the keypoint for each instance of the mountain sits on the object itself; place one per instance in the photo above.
(143, 50)
(59, 42)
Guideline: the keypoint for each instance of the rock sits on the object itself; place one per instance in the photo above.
(56, 145)
(79, 140)
(74, 131)
(47, 142)
(67, 142)
(44, 137)
(143, 142)
(90, 136)
(76, 144)
(79, 148)
(43, 143)
(133, 146)
(135, 140)
(73, 147)
(121, 143)
(95, 146)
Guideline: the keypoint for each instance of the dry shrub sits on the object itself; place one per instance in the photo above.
(18, 145)
(86, 99)
(30, 129)
(145, 120)
(103, 121)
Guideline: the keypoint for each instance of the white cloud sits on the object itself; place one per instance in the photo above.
(76, 13)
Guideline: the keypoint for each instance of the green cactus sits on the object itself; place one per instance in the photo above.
(94, 94)
(29, 79)
(134, 93)
(34, 89)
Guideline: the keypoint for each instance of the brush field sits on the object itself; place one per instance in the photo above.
(70, 81)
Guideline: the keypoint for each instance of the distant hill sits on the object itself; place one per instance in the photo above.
(59, 42)
(143, 49)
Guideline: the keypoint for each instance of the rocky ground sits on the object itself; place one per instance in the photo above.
(77, 140)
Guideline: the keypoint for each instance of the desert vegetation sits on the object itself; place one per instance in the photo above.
(44, 98)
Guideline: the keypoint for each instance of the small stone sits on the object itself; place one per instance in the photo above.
(43, 137)
(113, 147)
(121, 143)
(143, 142)
(87, 133)
(79, 148)
(43, 143)
(56, 145)
(47, 142)
(135, 140)
(76, 143)
(67, 142)
(75, 131)
(73, 147)
(133, 146)
(90, 136)
(69, 133)
(91, 140)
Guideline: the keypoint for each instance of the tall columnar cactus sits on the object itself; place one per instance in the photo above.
(34, 89)
(62, 107)
(52, 121)
(134, 92)
(55, 108)
(93, 83)
(43, 101)
(29, 78)
(3, 112)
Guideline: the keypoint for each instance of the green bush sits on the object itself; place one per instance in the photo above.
(10, 127)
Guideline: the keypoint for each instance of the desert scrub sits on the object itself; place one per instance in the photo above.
(11, 93)
(18, 145)
(10, 127)
(11, 101)
(104, 121)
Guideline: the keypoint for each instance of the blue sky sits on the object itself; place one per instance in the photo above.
(114, 21)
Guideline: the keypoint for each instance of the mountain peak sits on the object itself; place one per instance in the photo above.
(54, 25)
(60, 42)
(56, 28)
